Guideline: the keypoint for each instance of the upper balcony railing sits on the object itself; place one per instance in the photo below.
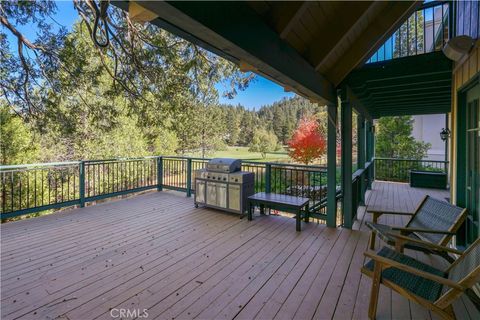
(426, 30)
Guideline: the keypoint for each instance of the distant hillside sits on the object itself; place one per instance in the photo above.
(280, 117)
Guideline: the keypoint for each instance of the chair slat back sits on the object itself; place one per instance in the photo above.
(465, 271)
(467, 263)
(437, 215)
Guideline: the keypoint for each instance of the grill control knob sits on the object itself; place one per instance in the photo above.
(224, 179)
(236, 180)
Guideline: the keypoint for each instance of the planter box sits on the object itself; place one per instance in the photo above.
(428, 179)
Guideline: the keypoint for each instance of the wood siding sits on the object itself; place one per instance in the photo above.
(463, 72)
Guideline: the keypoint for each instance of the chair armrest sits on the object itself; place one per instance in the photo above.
(377, 213)
(392, 263)
(410, 230)
(390, 212)
(426, 243)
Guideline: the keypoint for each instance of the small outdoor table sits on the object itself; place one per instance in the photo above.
(281, 202)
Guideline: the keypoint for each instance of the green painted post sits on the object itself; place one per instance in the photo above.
(369, 151)
(268, 178)
(189, 177)
(81, 169)
(159, 174)
(361, 155)
(346, 117)
(372, 150)
(332, 166)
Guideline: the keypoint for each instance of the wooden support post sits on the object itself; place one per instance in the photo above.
(372, 149)
(189, 177)
(159, 174)
(268, 178)
(361, 155)
(347, 205)
(82, 183)
(369, 151)
(332, 166)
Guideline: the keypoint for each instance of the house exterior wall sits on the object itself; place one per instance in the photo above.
(464, 71)
(427, 128)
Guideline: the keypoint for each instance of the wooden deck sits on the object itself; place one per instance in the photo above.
(394, 196)
(156, 252)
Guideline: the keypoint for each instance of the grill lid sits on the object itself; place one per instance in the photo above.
(226, 165)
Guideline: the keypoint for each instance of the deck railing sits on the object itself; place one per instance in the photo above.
(392, 169)
(426, 30)
(32, 188)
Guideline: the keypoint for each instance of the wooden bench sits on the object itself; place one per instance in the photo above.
(280, 202)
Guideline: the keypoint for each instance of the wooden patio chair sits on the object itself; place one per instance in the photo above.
(434, 221)
(430, 287)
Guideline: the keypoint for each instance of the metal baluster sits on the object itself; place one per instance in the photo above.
(433, 29)
(27, 203)
(61, 183)
(129, 175)
(20, 190)
(56, 184)
(442, 26)
(92, 169)
(68, 184)
(408, 36)
(424, 32)
(11, 190)
(137, 175)
(49, 188)
(4, 193)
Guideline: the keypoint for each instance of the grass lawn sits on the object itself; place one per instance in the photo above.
(244, 154)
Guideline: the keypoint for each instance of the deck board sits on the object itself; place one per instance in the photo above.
(156, 251)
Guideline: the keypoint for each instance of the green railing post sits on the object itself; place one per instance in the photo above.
(81, 168)
(189, 177)
(159, 174)
(361, 157)
(268, 178)
(347, 183)
(369, 149)
(332, 166)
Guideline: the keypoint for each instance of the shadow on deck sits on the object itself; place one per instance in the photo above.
(156, 252)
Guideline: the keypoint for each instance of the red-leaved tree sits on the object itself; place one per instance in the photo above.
(307, 143)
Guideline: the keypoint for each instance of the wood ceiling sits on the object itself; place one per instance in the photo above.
(413, 85)
(306, 46)
(333, 36)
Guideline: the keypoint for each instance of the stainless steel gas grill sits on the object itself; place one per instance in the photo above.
(222, 185)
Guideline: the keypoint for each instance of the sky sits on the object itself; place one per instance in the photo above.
(260, 92)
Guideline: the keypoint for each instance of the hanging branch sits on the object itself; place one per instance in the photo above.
(142, 57)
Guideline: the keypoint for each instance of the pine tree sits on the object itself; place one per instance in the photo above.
(393, 139)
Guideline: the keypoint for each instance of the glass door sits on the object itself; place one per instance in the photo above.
(473, 164)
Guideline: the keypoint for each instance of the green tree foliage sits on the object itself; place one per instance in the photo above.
(282, 116)
(148, 94)
(263, 141)
(142, 61)
(165, 142)
(233, 118)
(393, 139)
(17, 144)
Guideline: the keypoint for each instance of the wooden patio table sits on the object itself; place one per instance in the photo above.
(281, 202)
